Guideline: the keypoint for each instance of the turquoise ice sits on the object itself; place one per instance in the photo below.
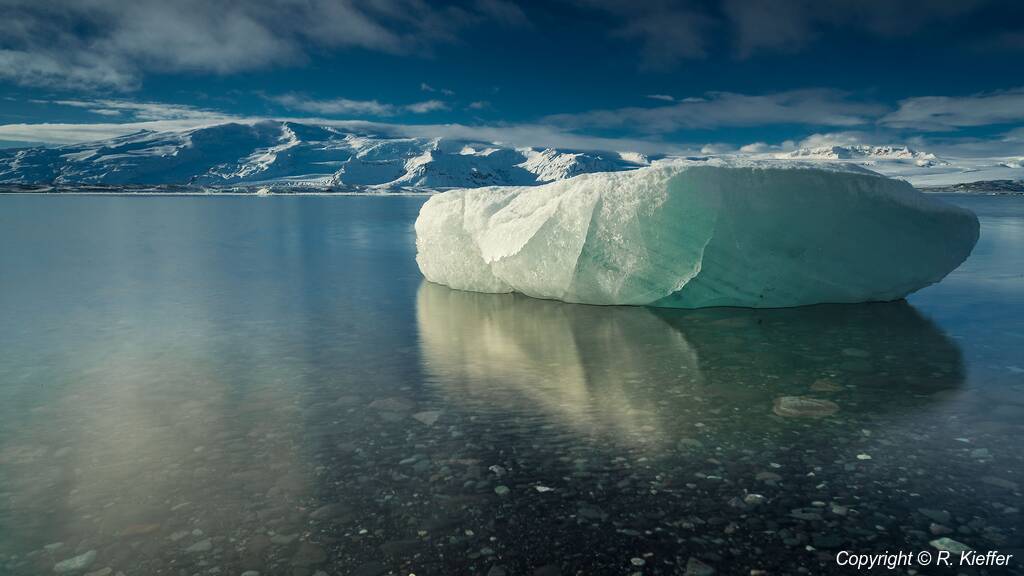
(695, 234)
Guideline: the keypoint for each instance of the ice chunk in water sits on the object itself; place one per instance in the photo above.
(694, 234)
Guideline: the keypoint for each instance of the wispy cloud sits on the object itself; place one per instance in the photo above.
(140, 111)
(427, 106)
(716, 109)
(938, 113)
(347, 107)
(662, 97)
(428, 88)
(846, 138)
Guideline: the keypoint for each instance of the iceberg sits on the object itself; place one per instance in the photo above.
(693, 234)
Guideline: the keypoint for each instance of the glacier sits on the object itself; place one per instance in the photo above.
(690, 234)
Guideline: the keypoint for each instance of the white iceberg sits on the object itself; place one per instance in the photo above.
(697, 233)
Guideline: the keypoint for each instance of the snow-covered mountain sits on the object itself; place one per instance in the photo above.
(920, 168)
(289, 155)
(299, 155)
(863, 152)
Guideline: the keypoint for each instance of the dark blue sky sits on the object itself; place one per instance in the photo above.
(945, 73)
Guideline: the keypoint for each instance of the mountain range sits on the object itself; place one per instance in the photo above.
(299, 155)
(277, 155)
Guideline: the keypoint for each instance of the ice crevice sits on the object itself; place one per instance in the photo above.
(695, 234)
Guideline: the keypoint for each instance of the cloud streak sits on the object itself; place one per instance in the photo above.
(942, 113)
(347, 107)
(716, 109)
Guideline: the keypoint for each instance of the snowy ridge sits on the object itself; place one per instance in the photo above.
(291, 154)
(922, 169)
(865, 152)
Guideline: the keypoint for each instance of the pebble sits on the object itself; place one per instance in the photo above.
(393, 405)
(950, 545)
(637, 561)
(999, 482)
(370, 569)
(283, 539)
(309, 554)
(75, 564)
(428, 417)
(825, 385)
(803, 407)
(940, 516)
(695, 567)
(329, 511)
(204, 545)
(501, 490)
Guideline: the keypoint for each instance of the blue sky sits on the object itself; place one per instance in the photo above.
(655, 74)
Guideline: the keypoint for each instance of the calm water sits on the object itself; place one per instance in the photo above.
(197, 385)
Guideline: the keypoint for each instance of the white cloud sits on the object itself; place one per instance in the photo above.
(938, 113)
(138, 116)
(428, 88)
(520, 135)
(427, 106)
(335, 106)
(663, 97)
(141, 111)
(65, 133)
(755, 148)
(111, 43)
(833, 139)
(347, 107)
(717, 148)
(811, 106)
(479, 105)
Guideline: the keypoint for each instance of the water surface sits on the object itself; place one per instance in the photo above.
(209, 385)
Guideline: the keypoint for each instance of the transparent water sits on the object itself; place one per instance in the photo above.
(209, 385)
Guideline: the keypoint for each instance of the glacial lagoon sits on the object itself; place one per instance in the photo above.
(216, 385)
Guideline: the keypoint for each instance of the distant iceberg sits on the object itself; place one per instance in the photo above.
(695, 234)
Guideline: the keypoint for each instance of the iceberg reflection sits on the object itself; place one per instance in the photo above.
(653, 375)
